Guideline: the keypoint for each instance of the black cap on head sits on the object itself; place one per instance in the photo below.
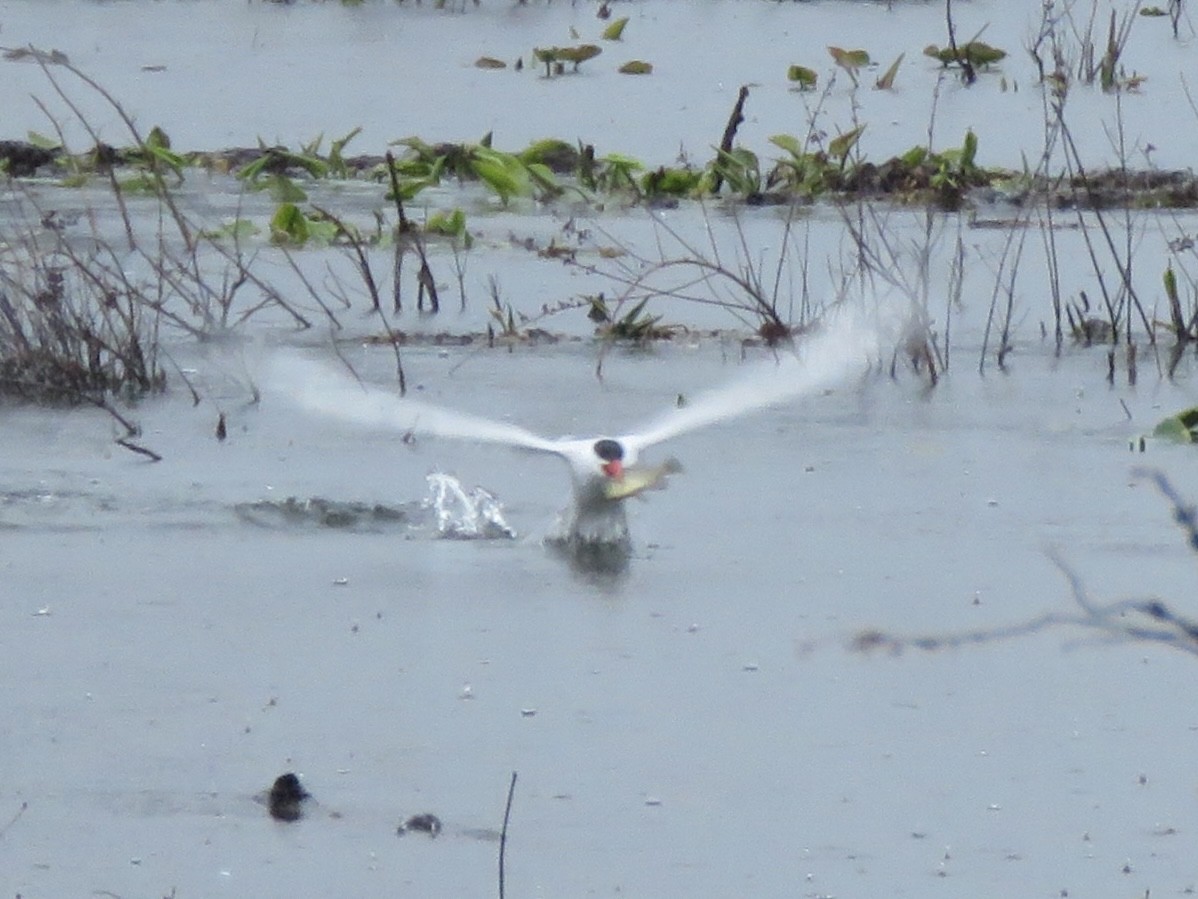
(609, 450)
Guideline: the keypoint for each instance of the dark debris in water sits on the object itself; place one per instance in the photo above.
(427, 823)
(318, 512)
(286, 798)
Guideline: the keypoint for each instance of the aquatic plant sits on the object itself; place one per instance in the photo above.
(105, 299)
(1065, 50)
(885, 81)
(851, 61)
(977, 54)
(737, 279)
(291, 225)
(804, 77)
(508, 175)
(71, 330)
(636, 67)
(739, 169)
(672, 182)
(453, 226)
(502, 314)
(635, 325)
(615, 30)
(555, 58)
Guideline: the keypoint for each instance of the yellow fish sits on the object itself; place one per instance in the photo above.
(638, 479)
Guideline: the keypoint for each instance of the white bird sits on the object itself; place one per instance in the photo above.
(603, 468)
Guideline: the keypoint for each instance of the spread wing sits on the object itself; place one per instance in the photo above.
(822, 360)
(327, 391)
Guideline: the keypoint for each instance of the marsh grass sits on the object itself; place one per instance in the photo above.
(756, 287)
(71, 330)
(83, 309)
(1068, 45)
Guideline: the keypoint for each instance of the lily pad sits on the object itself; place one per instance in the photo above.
(636, 67)
(803, 76)
(850, 60)
(1179, 428)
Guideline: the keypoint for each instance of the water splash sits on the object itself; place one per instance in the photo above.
(477, 515)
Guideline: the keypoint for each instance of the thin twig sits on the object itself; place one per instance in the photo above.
(1120, 620)
(507, 812)
(14, 819)
(139, 449)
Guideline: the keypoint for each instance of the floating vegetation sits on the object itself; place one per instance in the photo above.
(849, 60)
(636, 67)
(978, 54)
(554, 58)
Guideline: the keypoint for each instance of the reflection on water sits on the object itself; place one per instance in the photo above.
(322, 513)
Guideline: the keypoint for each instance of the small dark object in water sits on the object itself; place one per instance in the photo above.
(222, 430)
(286, 800)
(426, 823)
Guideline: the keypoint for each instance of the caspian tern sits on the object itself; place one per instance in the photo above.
(603, 468)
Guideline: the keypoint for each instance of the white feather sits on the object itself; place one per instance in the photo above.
(825, 358)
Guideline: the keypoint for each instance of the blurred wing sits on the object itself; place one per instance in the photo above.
(326, 391)
(823, 360)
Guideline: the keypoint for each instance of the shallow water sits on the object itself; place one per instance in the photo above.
(696, 725)
(176, 634)
(402, 71)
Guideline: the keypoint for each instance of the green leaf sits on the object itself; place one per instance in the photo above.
(969, 150)
(579, 54)
(840, 145)
(789, 143)
(886, 82)
(914, 157)
(337, 150)
(982, 54)
(289, 225)
(739, 167)
(849, 60)
(1180, 428)
(671, 182)
(805, 77)
(613, 31)
(1171, 285)
(542, 176)
(498, 172)
(549, 152)
(163, 155)
(42, 142)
